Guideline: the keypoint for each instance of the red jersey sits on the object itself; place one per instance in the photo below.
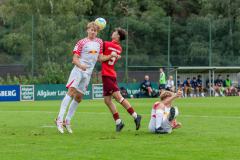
(108, 66)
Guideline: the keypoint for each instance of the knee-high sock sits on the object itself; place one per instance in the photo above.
(63, 107)
(117, 118)
(159, 118)
(132, 112)
(72, 109)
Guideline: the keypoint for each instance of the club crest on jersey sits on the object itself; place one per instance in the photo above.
(92, 52)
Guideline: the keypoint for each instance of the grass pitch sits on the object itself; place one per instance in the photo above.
(211, 130)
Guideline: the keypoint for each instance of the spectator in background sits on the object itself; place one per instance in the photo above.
(194, 86)
(123, 92)
(218, 86)
(238, 88)
(170, 84)
(146, 87)
(209, 87)
(187, 88)
(200, 86)
(230, 90)
(162, 80)
(179, 85)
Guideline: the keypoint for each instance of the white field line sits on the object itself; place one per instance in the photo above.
(103, 113)
(48, 126)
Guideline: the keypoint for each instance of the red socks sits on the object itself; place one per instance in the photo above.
(130, 110)
(116, 116)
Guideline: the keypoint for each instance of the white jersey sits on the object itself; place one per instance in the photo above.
(88, 50)
(165, 122)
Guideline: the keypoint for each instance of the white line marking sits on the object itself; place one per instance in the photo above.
(200, 116)
(30, 111)
(103, 113)
(47, 126)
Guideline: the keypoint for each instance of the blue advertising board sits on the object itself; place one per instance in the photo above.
(10, 93)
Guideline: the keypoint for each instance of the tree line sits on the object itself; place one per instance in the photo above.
(42, 34)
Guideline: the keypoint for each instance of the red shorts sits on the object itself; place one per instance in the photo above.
(109, 85)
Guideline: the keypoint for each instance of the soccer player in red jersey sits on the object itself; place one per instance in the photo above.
(110, 86)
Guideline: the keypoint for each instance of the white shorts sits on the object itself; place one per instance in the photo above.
(78, 80)
(166, 126)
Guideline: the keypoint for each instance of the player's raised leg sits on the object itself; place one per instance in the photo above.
(80, 89)
(124, 102)
(72, 83)
(72, 109)
(113, 110)
(63, 108)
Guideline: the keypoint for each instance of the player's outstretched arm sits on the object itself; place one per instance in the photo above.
(102, 58)
(173, 97)
(77, 63)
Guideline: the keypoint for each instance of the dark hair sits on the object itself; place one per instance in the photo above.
(199, 76)
(122, 33)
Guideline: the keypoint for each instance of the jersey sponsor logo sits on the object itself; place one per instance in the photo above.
(92, 52)
(114, 49)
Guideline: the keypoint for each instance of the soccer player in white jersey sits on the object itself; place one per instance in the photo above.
(85, 55)
(163, 115)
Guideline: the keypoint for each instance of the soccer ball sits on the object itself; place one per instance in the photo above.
(101, 22)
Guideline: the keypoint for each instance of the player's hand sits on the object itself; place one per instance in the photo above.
(118, 57)
(114, 54)
(83, 67)
(179, 93)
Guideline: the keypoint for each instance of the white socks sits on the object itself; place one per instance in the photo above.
(72, 109)
(63, 107)
(134, 115)
(118, 121)
(159, 118)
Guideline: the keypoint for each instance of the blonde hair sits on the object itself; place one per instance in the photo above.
(93, 25)
(165, 94)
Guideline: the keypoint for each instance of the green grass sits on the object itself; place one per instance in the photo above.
(210, 131)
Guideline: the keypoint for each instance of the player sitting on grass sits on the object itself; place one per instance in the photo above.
(163, 115)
